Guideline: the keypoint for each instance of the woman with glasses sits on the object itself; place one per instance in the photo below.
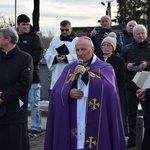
(108, 47)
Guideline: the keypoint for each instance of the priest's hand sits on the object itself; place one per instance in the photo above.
(76, 93)
(80, 69)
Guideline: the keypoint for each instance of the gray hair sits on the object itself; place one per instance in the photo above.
(139, 26)
(10, 32)
(131, 21)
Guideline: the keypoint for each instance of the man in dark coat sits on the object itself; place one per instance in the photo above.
(99, 33)
(16, 70)
(127, 37)
(137, 58)
(31, 43)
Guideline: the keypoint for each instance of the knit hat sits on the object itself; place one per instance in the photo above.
(111, 39)
(23, 18)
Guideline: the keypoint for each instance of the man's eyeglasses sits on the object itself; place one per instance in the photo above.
(62, 30)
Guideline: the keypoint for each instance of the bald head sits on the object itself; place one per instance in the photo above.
(84, 48)
(106, 17)
(105, 22)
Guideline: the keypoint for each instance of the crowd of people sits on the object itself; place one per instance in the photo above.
(93, 101)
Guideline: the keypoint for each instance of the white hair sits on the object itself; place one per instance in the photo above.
(139, 26)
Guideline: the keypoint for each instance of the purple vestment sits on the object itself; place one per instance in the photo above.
(104, 128)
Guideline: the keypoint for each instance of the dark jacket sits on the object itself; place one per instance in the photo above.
(127, 38)
(32, 44)
(135, 53)
(16, 71)
(119, 68)
(97, 40)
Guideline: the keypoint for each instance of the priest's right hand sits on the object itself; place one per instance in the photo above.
(76, 93)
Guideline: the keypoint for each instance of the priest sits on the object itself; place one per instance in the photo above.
(84, 110)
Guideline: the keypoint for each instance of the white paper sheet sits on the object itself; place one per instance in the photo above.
(21, 103)
(142, 79)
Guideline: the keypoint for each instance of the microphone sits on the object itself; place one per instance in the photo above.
(80, 62)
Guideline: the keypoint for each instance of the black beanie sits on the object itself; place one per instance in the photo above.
(23, 18)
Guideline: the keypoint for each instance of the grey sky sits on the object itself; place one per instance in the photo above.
(79, 12)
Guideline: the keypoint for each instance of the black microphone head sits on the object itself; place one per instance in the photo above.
(80, 61)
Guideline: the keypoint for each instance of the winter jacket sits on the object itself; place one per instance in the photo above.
(127, 38)
(32, 44)
(97, 40)
(119, 68)
(135, 53)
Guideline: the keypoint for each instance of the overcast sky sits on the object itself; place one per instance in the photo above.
(52, 12)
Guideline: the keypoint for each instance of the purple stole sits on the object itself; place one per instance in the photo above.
(93, 115)
(73, 120)
(93, 109)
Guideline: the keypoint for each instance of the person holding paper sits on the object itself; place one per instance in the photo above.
(84, 113)
(61, 51)
(137, 58)
(144, 95)
(16, 71)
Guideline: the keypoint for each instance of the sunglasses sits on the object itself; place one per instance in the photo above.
(64, 30)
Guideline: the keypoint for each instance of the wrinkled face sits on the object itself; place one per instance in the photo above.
(65, 30)
(140, 34)
(105, 22)
(107, 48)
(130, 27)
(24, 27)
(84, 49)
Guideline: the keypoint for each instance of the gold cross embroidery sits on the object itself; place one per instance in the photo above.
(94, 75)
(94, 104)
(90, 142)
(71, 79)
